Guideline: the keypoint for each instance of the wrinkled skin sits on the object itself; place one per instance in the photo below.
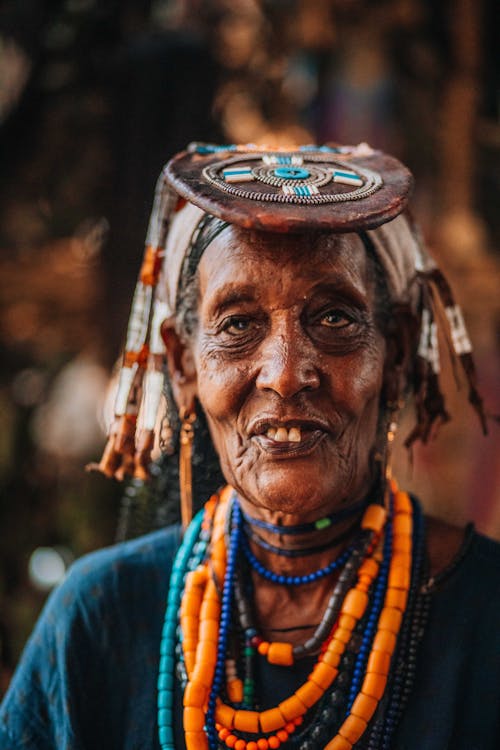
(287, 335)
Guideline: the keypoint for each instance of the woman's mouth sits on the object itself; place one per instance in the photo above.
(289, 440)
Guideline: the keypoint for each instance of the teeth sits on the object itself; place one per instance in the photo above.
(282, 435)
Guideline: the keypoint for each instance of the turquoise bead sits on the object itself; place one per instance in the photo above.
(167, 642)
(165, 699)
(176, 579)
(166, 736)
(165, 681)
(168, 631)
(163, 718)
(167, 663)
(292, 173)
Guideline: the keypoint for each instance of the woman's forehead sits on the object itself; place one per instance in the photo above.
(245, 256)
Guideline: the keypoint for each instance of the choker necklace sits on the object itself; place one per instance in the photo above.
(285, 580)
(306, 528)
(306, 551)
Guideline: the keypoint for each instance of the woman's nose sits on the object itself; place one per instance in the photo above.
(287, 365)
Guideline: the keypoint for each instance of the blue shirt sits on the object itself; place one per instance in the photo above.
(87, 678)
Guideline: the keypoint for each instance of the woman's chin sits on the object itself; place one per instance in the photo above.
(293, 493)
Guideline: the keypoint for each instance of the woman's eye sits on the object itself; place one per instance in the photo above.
(335, 319)
(236, 324)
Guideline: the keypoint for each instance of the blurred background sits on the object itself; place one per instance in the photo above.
(94, 98)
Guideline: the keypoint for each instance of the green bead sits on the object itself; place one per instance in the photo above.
(322, 523)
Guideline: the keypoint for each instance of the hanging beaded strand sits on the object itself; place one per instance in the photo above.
(130, 441)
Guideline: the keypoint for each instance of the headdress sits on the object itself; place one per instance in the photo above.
(310, 188)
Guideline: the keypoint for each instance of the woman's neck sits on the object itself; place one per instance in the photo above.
(303, 551)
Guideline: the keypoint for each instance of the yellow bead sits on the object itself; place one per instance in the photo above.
(402, 524)
(396, 598)
(323, 675)
(337, 647)
(347, 622)
(193, 719)
(399, 578)
(280, 654)
(196, 741)
(364, 706)
(374, 685)
(339, 743)
(355, 603)
(271, 720)
(246, 721)
(378, 662)
(384, 641)
(209, 630)
(332, 658)
(235, 690)
(292, 708)
(343, 635)
(352, 728)
(369, 568)
(374, 518)
(225, 715)
(390, 619)
(195, 694)
(402, 503)
(309, 693)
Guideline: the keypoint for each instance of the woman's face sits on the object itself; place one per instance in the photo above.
(289, 365)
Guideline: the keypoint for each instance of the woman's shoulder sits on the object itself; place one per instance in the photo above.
(100, 628)
(463, 552)
(112, 583)
(155, 550)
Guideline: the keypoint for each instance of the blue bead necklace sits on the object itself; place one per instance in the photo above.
(224, 626)
(285, 580)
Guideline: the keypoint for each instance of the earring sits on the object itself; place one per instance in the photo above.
(188, 418)
(392, 428)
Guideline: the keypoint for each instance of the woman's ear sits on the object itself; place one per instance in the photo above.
(400, 346)
(181, 368)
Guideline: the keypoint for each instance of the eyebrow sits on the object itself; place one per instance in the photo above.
(228, 297)
(346, 291)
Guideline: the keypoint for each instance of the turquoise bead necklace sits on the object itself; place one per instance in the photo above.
(166, 673)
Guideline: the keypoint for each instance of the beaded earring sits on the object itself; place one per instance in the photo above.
(188, 418)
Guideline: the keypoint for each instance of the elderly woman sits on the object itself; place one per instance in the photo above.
(287, 302)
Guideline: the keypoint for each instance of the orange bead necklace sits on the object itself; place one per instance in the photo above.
(200, 620)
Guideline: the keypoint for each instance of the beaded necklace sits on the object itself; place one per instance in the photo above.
(300, 551)
(362, 633)
(304, 528)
